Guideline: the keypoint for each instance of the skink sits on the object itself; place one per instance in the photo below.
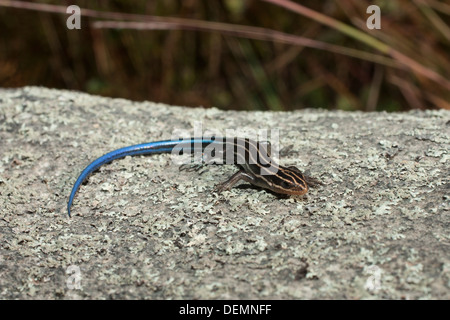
(252, 158)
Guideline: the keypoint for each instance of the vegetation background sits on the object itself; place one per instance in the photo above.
(235, 54)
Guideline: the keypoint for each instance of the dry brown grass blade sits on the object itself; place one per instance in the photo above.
(437, 22)
(374, 92)
(439, 6)
(438, 101)
(411, 93)
(248, 32)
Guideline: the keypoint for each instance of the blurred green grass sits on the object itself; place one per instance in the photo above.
(200, 68)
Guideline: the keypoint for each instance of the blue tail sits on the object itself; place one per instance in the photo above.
(166, 146)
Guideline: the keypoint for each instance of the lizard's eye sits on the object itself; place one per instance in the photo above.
(285, 185)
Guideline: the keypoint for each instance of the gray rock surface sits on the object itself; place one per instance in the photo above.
(140, 228)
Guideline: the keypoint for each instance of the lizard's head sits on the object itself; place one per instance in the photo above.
(286, 180)
(291, 181)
